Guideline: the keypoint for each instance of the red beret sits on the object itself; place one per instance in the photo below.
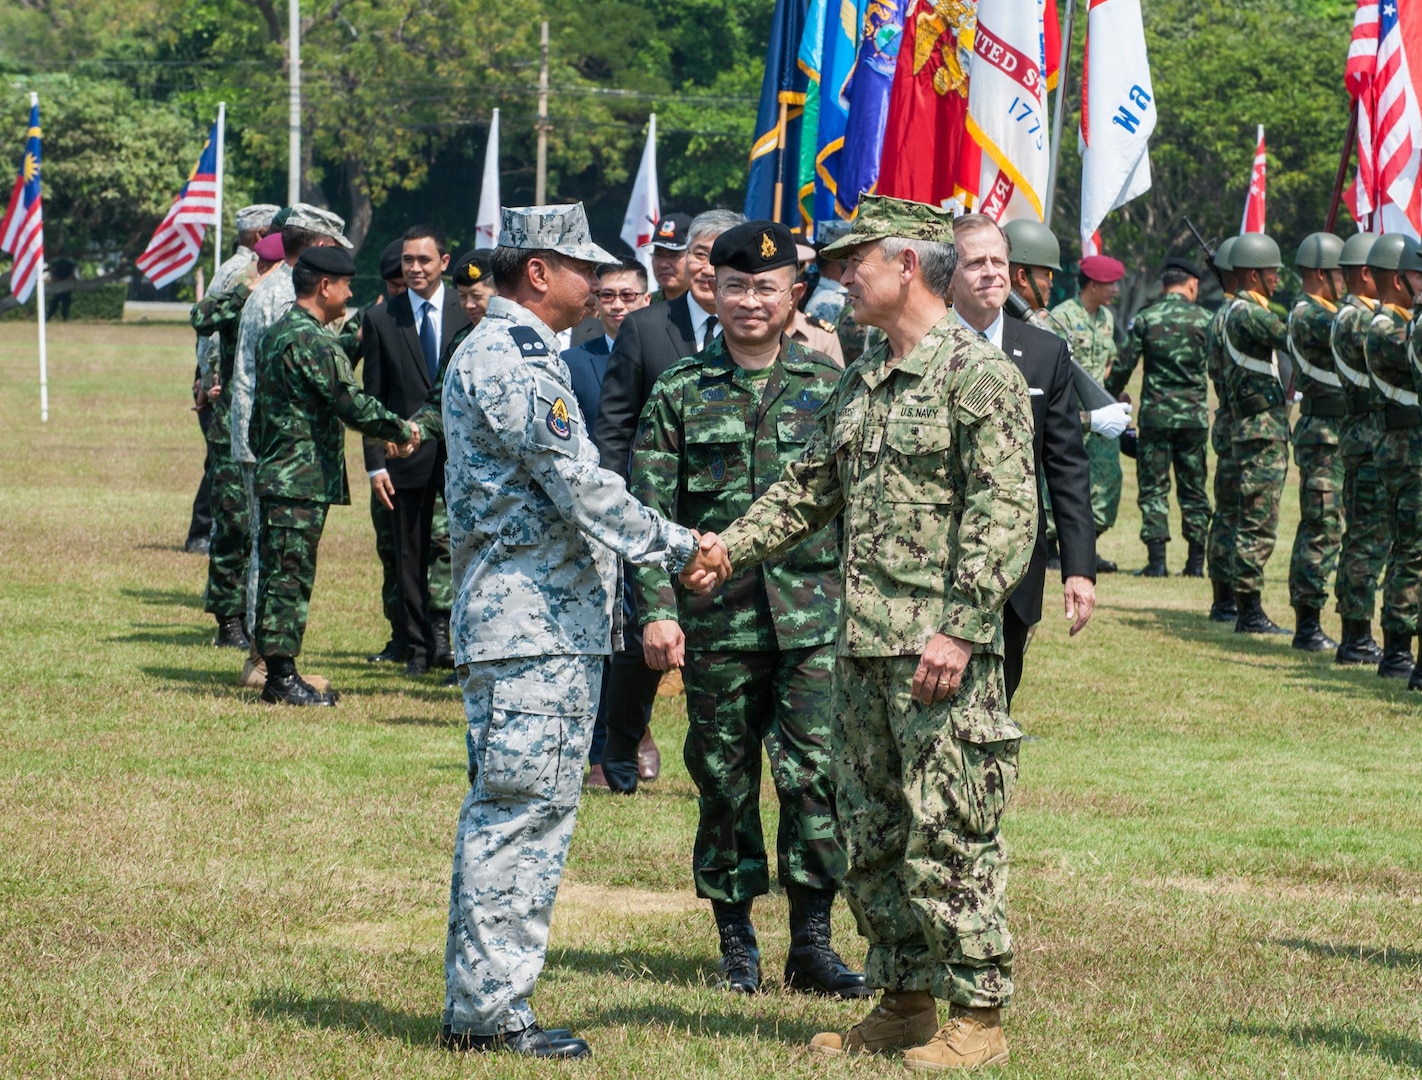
(1103, 268)
(269, 248)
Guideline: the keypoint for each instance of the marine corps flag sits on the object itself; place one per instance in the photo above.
(773, 188)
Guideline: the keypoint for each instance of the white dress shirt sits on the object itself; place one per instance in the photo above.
(993, 333)
(699, 317)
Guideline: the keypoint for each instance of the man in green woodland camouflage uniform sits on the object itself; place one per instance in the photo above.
(1219, 557)
(304, 393)
(1168, 338)
(1366, 541)
(1320, 465)
(924, 455)
(1397, 272)
(757, 658)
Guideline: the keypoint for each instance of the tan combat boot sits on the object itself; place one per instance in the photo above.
(902, 1019)
(972, 1037)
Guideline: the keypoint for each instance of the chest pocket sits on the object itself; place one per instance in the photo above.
(915, 467)
(847, 425)
(795, 426)
(716, 448)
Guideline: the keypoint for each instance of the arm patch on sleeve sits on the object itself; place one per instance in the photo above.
(528, 340)
(979, 398)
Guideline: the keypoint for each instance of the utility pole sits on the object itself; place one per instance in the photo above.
(540, 183)
(293, 121)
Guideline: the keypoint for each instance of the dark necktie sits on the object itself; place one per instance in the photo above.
(428, 341)
(710, 332)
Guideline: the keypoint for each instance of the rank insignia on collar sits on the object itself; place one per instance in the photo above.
(558, 421)
(714, 393)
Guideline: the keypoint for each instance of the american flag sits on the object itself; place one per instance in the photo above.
(1379, 78)
(22, 228)
(177, 242)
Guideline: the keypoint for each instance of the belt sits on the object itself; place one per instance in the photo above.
(1401, 417)
(1332, 405)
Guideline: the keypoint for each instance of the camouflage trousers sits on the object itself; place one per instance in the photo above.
(735, 702)
(920, 791)
(1320, 531)
(1157, 450)
(530, 722)
(441, 574)
(1366, 542)
(1225, 521)
(1103, 458)
(1400, 468)
(289, 534)
(231, 544)
(1263, 468)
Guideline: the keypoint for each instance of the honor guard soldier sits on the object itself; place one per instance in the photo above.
(1324, 407)
(1034, 255)
(1219, 556)
(1395, 266)
(1168, 339)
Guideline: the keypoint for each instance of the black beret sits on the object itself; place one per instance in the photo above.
(330, 261)
(473, 266)
(390, 266)
(754, 246)
(1184, 265)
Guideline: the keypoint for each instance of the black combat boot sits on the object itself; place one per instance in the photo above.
(231, 633)
(1252, 619)
(1396, 662)
(1358, 646)
(812, 966)
(1155, 560)
(1223, 609)
(740, 958)
(1194, 561)
(286, 687)
(1308, 635)
(443, 656)
(532, 1041)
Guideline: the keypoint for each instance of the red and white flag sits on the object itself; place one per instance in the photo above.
(1253, 219)
(1384, 62)
(22, 228)
(490, 216)
(177, 242)
(1007, 108)
(1117, 114)
(644, 209)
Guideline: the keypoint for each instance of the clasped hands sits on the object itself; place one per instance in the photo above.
(396, 450)
(709, 566)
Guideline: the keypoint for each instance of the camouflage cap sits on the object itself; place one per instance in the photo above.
(562, 229)
(256, 216)
(881, 217)
(322, 222)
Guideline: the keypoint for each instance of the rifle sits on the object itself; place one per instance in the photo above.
(1209, 252)
(1089, 392)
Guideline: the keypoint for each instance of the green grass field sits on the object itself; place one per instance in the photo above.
(1217, 843)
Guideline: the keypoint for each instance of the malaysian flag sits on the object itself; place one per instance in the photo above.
(1379, 78)
(22, 228)
(177, 242)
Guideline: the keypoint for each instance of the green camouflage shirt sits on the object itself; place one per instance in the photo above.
(710, 442)
(1350, 327)
(930, 461)
(1385, 347)
(305, 391)
(1310, 326)
(1251, 333)
(1092, 337)
(1168, 336)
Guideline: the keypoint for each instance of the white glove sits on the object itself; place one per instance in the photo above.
(1111, 420)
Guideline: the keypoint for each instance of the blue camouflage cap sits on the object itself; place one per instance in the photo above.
(562, 229)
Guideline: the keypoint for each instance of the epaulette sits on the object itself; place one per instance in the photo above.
(823, 324)
(529, 341)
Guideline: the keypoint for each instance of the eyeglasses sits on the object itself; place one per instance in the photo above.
(765, 292)
(627, 296)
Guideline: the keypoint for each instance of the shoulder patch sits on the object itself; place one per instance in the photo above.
(978, 399)
(557, 419)
(528, 340)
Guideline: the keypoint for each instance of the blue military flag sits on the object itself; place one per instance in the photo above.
(772, 190)
(869, 86)
(843, 23)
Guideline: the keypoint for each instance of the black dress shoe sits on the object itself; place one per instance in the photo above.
(532, 1041)
(395, 652)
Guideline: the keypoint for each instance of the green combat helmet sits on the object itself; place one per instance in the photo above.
(1319, 251)
(1033, 244)
(1222, 253)
(1392, 251)
(1356, 249)
(1255, 251)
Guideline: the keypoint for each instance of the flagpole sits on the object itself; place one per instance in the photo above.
(293, 118)
(780, 158)
(1060, 113)
(221, 140)
(39, 307)
(1342, 169)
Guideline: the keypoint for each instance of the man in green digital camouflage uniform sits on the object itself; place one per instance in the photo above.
(1321, 412)
(924, 454)
(1168, 338)
(1219, 557)
(304, 391)
(1251, 333)
(757, 658)
(1366, 542)
(1397, 272)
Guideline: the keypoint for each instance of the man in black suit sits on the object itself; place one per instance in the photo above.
(648, 342)
(979, 292)
(402, 342)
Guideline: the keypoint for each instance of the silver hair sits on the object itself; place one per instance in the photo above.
(938, 260)
(713, 222)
